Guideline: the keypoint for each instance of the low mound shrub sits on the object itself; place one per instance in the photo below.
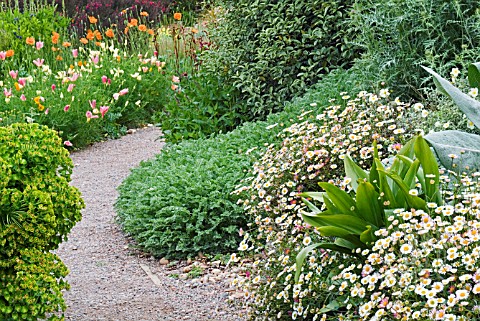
(38, 208)
(273, 51)
(181, 203)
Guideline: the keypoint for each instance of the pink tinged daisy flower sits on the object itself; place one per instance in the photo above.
(67, 143)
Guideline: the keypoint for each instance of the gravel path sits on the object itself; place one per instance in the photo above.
(108, 279)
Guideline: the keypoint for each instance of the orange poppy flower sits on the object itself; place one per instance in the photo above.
(72, 66)
(144, 14)
(90, 35)
(133, 22)
(118, 58)
(55, 37)
(97, 35)
(109, 33)
(177, 16)
(142, 27)
(97, 43)
(194, 30)
(80, 63)
(41, 107)
(84, 40)
(30, 41)
(54, 49)
(9, 53)
(59, 58)
(126, 30)
(66, 44)
(92, 20)
(17, 86)
(151, 32)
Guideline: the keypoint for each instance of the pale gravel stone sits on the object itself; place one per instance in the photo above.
(107, 281)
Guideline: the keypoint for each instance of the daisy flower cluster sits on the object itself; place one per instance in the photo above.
(423, 267)
(312, 151)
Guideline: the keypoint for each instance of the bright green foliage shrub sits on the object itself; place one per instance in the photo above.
(38, 208)
(398, 36)
(203, 106)
(180, 203)
(272, 51)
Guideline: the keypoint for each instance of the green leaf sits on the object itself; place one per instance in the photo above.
(430, 169)
(301, 258)
(318, 196)
(469, 106)
(354, 172)
(350, 223)
(368, 236)
(339, 198)
(311, 206)
(368, 204)
(332, 306)
(412, 201)
(474, 75)
(333, 231)
(385, 190)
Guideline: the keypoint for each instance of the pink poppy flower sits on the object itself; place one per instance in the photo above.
(39, 45)
(95, 59)
(22, 81)
(23, 98)
(13, 73)
(3, 55)
(7, 93)
(89, 115)
(93, 103)
(67, 143)
(74, 77)
(104, 79)
(53, 87)
(70, 87)
(75, 53)
(116, 96)
(123, 92)
(175, 79)
(66, 108)
(103, 110)
(47, 111)
(39, 62)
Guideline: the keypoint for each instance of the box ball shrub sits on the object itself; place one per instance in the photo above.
(272, 51)
(38, 208)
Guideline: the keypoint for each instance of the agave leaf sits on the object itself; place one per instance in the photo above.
(339, 198)
(368, 204)
(455, 142)
(474, 75)
(330, 206)
(348, 222)
(469, 106)
(354, 172)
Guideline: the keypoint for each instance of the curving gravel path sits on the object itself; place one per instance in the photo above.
(108, 279)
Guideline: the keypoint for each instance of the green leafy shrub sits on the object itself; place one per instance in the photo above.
(181, 202)
(398, 36)
(273, 51)
(38, 208)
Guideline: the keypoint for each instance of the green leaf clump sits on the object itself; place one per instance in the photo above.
(38, 208)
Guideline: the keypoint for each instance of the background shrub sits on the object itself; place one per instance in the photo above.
(271, 51)
(38, 208)
(398, 36)
(181, 203)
